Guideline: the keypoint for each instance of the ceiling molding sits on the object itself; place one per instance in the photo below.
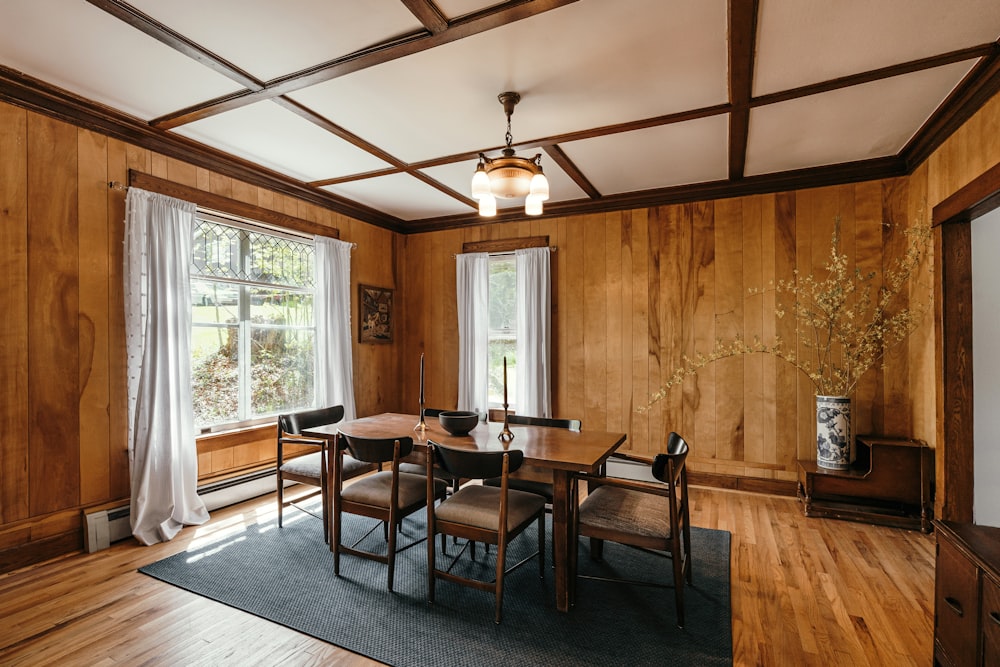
(34, 95)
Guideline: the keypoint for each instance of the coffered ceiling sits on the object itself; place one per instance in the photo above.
(378, 108)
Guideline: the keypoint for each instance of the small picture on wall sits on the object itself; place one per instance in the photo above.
(376, 314)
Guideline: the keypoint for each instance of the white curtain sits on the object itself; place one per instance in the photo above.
(473, 273)
(163, 460)
(534, 393)
(332, 308)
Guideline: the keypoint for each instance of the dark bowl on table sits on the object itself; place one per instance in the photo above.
(458, 422)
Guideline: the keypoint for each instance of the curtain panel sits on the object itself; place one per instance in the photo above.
(334, 360)
(163, 460)
(534, 332)
(473, 283)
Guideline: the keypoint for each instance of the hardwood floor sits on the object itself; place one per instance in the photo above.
(804, 592)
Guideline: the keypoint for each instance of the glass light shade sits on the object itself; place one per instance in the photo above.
(480, 182)
(509, 182)
(539, 187)
(487, 206)
(532, 205)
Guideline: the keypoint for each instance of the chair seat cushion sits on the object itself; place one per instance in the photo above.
(376, 490)
(310, 465)
(627, 511)
(479, 506)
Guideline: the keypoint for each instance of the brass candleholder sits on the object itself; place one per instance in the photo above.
(505, 434)
(421, 425)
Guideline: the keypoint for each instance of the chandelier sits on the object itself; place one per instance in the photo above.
(509, 176)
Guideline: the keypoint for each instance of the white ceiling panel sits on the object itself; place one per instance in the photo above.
(280, 140)
(400, 195)
(801, 42)
(77, 47)
(857, 123)
(572, 71)
(694, 151)
(269, 39)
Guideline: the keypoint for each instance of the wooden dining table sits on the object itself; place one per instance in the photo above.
(562, 451)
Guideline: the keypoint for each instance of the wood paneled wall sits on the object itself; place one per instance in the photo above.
(635, 291)
(62, 369)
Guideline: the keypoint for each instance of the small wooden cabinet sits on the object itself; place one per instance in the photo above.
(967, 595)
(891, 483)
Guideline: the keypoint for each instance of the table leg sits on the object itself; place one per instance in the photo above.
(561, 531)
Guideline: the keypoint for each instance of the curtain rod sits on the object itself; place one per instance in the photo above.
(116, 185)
(551, 248)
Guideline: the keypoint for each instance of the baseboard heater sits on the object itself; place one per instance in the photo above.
(103, 527)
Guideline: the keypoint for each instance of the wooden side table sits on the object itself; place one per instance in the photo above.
(891, 483)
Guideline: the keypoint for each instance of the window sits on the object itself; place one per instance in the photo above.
(502, 340)
(253, 331)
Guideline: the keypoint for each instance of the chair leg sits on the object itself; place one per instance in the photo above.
(392, 547)
(335, 541)
(498, 588)
(430, 555)
(678, 562)
(596, 549)
(541, 545)
(281, 497)
(325, 497)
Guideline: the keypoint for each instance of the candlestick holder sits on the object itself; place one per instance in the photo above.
(421, 425)
(505, 434)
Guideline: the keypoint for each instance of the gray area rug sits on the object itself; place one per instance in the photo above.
(286, 575)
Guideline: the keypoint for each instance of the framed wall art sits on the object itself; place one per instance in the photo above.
(375, 321)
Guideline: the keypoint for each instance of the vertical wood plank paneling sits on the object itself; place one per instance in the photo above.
(658, 218)
(805, 437)
(639, 432)
(786, 378)
(922, 368)
(700, 388)
(730, 411)
(898, 414)
(14, 324)
(753, 329)
(768, 367)
(675, 278)
(628, 400)
(118, 166)
(868, 406)
(595, 312)
(53, 309)
(613, 299)
(95, 464)
(572, 243)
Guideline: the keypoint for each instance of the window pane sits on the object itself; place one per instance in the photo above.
(503, 294)
(281, 369)
(215, 374)
(275, 306)
(498, 349)
(214, 302)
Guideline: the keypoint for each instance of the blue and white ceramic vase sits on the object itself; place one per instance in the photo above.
(834, 441)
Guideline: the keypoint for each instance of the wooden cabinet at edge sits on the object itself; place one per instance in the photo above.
(967, 595)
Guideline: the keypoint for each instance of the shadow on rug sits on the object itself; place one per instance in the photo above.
(285, 575)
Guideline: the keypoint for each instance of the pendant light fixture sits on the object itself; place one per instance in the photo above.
(509, 176)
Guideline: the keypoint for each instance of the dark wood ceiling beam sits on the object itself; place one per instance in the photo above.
(568, 166)
(981, 83)
(147, 24)
(865, 170)
(876, 74)
(472, 24)
(428, 14)
(742, 38)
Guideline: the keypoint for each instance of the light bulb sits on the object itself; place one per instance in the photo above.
(539, 186)
(480, 182)
(532, 205)
(487, 206)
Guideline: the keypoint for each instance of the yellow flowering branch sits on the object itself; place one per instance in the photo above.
(843, 324)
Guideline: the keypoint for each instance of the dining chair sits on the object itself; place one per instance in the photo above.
(477, 513)
(531, 478)
(309, 468)
(388, 495)
(652, 516)
(417, 466)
